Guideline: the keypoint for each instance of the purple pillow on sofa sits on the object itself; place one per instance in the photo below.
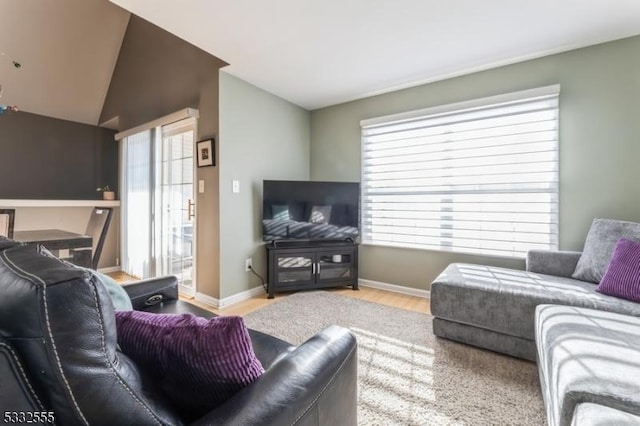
(198, 363)
(622, 278)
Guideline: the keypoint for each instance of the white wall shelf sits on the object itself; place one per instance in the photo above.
(58, 203)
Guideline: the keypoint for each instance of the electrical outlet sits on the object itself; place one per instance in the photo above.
(248, 264)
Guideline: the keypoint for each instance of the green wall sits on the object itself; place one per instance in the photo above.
(262, 136)
(599, 145)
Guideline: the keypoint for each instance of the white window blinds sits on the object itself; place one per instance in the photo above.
(479, 177)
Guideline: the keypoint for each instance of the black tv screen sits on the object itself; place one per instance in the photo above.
(302, 210)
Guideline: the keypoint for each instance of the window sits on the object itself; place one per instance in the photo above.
(477, 177)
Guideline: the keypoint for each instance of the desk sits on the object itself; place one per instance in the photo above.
(56, 240)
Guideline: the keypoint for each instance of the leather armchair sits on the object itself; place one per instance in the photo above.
(58, 353)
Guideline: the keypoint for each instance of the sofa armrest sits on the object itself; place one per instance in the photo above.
(151, 291)
(318, 380)
(558, 263)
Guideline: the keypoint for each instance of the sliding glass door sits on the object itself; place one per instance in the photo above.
(158, 208)
(175, 204)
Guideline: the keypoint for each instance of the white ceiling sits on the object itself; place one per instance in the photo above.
(67, 48)
(319, 53)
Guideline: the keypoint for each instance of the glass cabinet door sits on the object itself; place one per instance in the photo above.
(175, 213)
(334, 266)
(295, 269)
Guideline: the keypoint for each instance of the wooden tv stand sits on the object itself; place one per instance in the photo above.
(308, 265)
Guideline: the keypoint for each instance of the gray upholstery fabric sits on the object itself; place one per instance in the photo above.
(599, 245)
(504, 300)
(597, 415)
(558, 263)
(586, 355)
(486, 339)
(119, 297)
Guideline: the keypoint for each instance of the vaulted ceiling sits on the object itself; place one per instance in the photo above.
(67, 49)
(312, 53)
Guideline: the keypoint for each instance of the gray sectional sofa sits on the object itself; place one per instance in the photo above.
(587, 344)
(589, 365)
(494, 308)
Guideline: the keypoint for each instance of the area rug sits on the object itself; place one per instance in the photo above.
(406, 375)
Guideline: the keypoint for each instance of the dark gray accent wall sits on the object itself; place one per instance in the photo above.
(156, 74)
(48, 158)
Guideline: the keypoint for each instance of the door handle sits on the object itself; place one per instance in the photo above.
(191, 210)
(318, 268)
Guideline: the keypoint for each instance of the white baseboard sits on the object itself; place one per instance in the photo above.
(230, 300)
(191, 293)
(410, 291)
(243, 295)
(110, 269)
(207, 300)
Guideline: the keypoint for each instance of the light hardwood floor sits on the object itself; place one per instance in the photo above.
(396, 300)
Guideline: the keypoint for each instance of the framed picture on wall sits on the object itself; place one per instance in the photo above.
(206, 153)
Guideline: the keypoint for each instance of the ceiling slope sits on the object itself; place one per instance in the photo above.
(68, 50)
(319, 53)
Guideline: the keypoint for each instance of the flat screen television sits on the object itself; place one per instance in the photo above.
(303, 210)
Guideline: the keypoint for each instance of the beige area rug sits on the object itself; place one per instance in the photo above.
(406, 375)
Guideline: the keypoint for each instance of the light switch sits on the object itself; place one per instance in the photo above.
(201, 186)
(235, 186)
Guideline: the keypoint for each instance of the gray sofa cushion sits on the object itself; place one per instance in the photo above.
(504, 300)
(586, 355)
(558, 263)
(599, 245)
(596, 415)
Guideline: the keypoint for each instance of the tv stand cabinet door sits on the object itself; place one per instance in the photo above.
(290, 270)
(337, 265)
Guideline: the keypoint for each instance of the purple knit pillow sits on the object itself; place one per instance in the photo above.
(198, 363)
(622, 278)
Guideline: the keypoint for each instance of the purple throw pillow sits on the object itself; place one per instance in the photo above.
(198, 363)
(622, 278)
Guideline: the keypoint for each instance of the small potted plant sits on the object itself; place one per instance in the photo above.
(107, 193)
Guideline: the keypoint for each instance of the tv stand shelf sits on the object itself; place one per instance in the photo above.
(308, 265)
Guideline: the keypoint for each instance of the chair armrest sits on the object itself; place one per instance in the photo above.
(558, 263)
(318, 381)
(151, 291)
